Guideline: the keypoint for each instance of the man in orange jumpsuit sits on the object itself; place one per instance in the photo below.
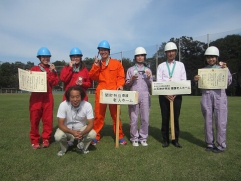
(42, 103)
(75, 73)
(110, 76)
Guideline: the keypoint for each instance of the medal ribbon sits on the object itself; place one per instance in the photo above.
(41, 68)
(170, 72)
(144, 70)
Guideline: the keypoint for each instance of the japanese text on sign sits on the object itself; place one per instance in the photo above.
(118, 97)
(213, 78)
(32, 81)
(171, 87)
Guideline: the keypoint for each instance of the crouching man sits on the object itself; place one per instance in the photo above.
(73, 115)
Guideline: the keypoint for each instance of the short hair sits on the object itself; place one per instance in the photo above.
(77, 88)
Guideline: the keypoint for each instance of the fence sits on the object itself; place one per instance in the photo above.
(152, 50)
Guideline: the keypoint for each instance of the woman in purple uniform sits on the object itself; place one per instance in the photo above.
(139, 78)
(214, 102)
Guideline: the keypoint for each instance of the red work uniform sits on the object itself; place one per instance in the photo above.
(69, 77)
(109, 77)
(41, 106)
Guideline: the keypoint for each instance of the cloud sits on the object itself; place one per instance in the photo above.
(60, 25)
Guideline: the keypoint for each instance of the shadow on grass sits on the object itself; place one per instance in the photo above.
(190, 138)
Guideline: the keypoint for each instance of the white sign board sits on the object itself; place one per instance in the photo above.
(213, 78)
(171, 87)
(118, 97)
(32, 81)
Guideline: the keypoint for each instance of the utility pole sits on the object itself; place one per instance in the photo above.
(156, 59)
(179, 50)
(208, 39)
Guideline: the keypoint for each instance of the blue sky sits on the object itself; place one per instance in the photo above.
(27, 25)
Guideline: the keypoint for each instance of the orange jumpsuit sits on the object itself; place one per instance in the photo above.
(69, 78)
(109, 77)
(41, 106)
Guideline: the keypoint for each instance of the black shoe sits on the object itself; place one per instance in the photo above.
(209, 148)
(165, 144)
(216, 150)
(176, 144)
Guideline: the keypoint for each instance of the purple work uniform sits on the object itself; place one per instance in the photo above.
(214, 101)
(141, 85)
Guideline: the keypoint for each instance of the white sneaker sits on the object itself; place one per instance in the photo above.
(61, 153)
(80, 145)
(144, 143)
(85, 151)
(135, 143)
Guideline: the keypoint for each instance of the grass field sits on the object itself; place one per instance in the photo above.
(105, 162)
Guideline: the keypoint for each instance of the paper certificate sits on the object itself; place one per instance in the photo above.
(32, 81)
(118, 97)
(213, 78)
(171, 87)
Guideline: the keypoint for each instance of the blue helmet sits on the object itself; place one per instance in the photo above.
(104, 44)
(75, 51)
(43, 51)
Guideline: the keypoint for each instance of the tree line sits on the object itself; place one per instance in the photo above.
(191, 54)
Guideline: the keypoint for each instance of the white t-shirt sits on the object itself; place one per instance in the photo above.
(75, 118)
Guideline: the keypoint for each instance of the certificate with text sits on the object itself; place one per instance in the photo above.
(32, 81)
(213, 78)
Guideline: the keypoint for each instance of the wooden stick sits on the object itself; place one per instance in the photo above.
(117, 127)
(172, 120)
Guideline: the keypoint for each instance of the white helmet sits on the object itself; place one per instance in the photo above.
(140, 51)
(170, 46)
(212, 50)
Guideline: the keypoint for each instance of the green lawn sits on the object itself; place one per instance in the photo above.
(105, 162)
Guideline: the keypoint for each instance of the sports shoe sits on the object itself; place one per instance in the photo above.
(208, 148)
(85, 151)
(70, 143)
(36, 146)
(80, 145)
(122, 141)
(135, 143)
(216, 150)
(61, 153)
(45, 144)
(144, 143)
(94, 142)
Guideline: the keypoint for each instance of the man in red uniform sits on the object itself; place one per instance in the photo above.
(110, 76)
(75, 73)
(42, 103)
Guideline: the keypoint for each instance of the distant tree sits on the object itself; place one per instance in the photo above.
(29, 65)
(59, 63)
(8, 76)
(88, 62)
(230, 52)
(127, 63)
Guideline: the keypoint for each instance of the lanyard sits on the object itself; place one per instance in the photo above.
(170, 72)
(41, 68)
(76, 69)
(106, 62)
(213, 66)
(143, 71)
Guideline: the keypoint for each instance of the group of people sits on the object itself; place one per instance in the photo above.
(77, 124)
